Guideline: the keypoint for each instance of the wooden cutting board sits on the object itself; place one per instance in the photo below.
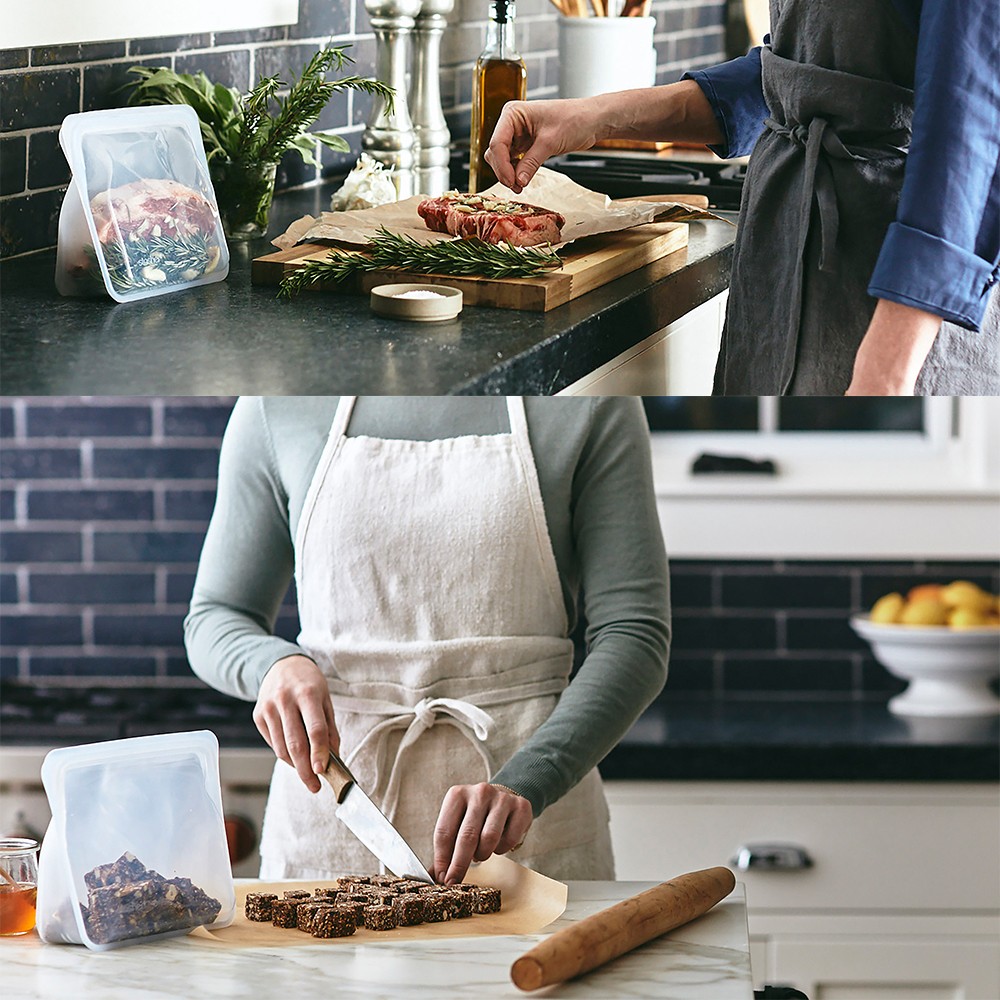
(589, 263)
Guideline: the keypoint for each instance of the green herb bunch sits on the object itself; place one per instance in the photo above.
(396, 251)
(259, 125)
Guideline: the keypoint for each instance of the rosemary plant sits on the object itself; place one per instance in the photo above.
(259, 126)
(397, 251)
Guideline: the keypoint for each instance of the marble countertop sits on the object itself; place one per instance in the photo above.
(230, 337)
(708, 959)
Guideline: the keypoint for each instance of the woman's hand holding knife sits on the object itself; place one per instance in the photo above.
(294, 714)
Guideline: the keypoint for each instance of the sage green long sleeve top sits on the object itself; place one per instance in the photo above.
(594, 472)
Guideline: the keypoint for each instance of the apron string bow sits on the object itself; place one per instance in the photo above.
(468, 719)
(817, 183)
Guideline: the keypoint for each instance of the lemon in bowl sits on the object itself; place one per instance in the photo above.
(945, 641)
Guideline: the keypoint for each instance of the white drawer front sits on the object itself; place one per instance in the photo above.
(885, 847)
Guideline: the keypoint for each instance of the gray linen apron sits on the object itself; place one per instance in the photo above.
(821, 190)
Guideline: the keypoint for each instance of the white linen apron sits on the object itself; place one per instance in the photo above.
(429, 596)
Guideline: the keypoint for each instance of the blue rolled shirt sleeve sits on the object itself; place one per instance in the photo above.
(733, 89)
(941, 254)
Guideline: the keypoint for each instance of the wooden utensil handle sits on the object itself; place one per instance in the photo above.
(339, 776)
(694, 200)
(620, 928)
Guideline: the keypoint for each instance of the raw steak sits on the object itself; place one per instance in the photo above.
(491, 219)
(151, 207)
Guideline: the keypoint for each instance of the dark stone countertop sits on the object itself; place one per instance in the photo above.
(231, 337)
(677, 739)
(772, 740)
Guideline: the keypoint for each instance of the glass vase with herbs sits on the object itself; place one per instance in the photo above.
(245, 135)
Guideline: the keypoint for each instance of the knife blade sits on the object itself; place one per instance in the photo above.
(365, 820)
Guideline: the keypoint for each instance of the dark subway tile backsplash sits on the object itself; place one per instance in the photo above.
(89, 421)
(90, 505)
(40, 547)
(38, 97)
(39, 463)
(13, 164)
(147, 546)
(93, 589)
(96, 573)
(156, 463)
(47, 167)
(705, 630)
(40, 86)
(145, 630)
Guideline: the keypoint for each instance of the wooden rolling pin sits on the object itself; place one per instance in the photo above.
(620, 928)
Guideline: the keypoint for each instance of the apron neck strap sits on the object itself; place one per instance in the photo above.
(345, 407)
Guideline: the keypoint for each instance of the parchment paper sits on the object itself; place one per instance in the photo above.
(529, 902)
(587, 213)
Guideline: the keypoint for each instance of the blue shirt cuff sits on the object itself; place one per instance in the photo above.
(921, 270)
(734, 91)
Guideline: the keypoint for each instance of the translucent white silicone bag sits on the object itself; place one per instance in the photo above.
(140, 217)
(136, 849)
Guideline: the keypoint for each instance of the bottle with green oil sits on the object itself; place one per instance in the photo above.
(500, 76)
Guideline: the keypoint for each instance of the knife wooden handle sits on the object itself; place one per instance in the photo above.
(620, 928)
(338, 775)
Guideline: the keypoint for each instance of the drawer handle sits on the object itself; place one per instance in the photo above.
(772, 857)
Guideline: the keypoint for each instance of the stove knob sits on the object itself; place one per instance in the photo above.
(241, 838)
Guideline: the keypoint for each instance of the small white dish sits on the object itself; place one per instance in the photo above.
(949, 669)
(417, 303)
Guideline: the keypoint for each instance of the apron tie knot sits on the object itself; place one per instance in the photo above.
(415, 720)
(425, 714)
(817, 185)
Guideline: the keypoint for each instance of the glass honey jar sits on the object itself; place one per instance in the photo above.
(18, 885)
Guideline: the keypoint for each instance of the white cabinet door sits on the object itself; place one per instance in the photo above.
(887, 969)
(873, 847)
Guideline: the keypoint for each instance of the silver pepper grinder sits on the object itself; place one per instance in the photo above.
(433, 137)
(390, 138)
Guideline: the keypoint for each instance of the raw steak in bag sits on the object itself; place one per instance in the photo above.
(140, 216)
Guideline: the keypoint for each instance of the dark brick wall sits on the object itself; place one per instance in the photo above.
(103, 507)
(39, 87)
(779, 629)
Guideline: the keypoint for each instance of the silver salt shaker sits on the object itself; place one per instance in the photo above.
(433, 137)
(390, 138)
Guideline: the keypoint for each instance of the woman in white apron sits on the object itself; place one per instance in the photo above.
(429, 599)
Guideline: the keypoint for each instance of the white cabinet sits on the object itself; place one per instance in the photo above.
(678, 360)
(901, 900)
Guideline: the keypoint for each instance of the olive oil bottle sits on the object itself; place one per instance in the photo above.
(500, 76)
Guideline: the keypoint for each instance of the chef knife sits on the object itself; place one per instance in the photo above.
(365, 820)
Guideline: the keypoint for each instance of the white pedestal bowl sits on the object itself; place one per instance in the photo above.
(949, 670)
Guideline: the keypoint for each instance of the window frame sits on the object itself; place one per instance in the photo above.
(840, 494)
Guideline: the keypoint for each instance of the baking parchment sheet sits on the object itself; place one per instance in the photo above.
(587, 213)
(529, 902)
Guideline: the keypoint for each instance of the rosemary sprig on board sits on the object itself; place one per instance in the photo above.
(397, 251)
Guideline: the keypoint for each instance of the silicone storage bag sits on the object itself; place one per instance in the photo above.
(140, 216)
(136, 850)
